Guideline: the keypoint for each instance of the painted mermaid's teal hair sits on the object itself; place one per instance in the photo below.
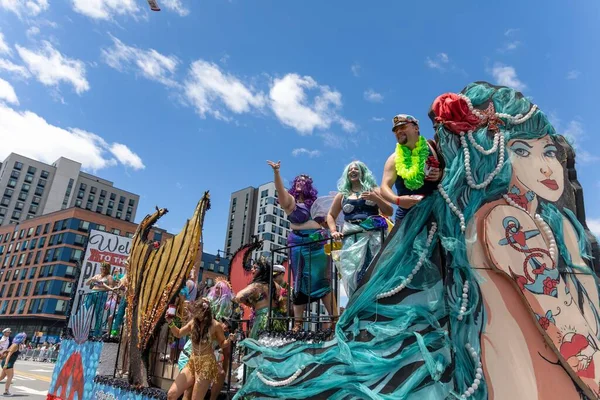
(367, 180)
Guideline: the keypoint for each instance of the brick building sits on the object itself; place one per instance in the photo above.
(39, 265)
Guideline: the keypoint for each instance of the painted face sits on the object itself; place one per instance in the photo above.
(407, 134)
(354, 173)
(536, 166)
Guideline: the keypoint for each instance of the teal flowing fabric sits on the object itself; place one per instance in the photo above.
(393, 348)
(97, 301)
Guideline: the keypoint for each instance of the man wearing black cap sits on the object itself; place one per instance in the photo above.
(413, 168)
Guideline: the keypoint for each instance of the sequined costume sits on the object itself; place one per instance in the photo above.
(364, 231)
(203, 365)
(261, 322)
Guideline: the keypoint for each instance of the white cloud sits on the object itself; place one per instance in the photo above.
(29, 134)
(355, 68)
(25, 7)
(509, 46)
(511, 31)
(303, 151)
(378, 119)
(574, 132)
(373, 96)
(507, 76)
(9, 66)
(176, 6)
(7, 92)
(332, 140)
(594, 226)
(50, 67)
(574, 74)
(105, 9)
(292, 107)
(34, 30)
(126, 157)
(4, 47)
(206, 86)
(438, 62)
(150, 63)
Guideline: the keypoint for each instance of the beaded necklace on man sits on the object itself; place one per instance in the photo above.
(410, 164)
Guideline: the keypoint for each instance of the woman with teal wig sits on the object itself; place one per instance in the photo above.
(483, 293)
(364, 226)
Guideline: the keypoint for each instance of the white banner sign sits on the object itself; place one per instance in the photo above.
(102, 246)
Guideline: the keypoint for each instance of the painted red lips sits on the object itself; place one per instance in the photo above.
(550, 183)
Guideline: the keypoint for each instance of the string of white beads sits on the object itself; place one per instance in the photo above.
(545, 228)
(453, 207)
(480, 148)
(284, 382)
(406, 281)
(478, 373)
(467, 157)
(518, 119)
(465, 301)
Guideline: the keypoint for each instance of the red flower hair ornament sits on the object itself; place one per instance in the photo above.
(454, 113)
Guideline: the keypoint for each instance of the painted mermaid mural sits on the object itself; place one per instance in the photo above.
(538, 313)
(484, 292)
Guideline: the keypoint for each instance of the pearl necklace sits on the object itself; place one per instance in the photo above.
(478, 373)
(513, 119)
(467, 156)
(416, 269)
(284, 382)
(454, 209)
(545, 228)
(465, 301)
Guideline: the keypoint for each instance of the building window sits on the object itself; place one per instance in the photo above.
(23, 196)
(89, 205)
(36, 200)
(131, 202)
(5, 201)
(93, 190)
(27, 287)
(77, 203)
(101, 228)
(99, 209)
(18, 165)
(103, 193)
(39, 191)
(80, 194)
(109, 212)
(31, 170)
(46, 228)
(101, 201)
(111, 204)
(25, 188)
(116, 231)
(19, 206)
(120, 207)
(41, 183)
(33, 209)
(122, 199)
(28, 178)
(264, 193)
(41, 244)
(45, 174)
(119, 214)
(84, 226)
(8, 192)
(91, 197)
(128, 217)
(15, 174)
(38, 229)
(12, 183)
(32, 272)
(113, 196)
(16, 214)
(83, 186)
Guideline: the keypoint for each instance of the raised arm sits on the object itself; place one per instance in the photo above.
(177, 332)
(247, 296)
(286, 200)
(334, 212)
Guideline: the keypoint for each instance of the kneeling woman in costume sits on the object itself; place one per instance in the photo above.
(364, 228)
(202, 368)
(312, 278)
(256, 295)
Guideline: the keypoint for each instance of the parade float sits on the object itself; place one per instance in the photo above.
(486, 290)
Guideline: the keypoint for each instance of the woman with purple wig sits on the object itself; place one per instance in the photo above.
(312, 280)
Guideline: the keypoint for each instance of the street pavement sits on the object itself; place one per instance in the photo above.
(31, 380)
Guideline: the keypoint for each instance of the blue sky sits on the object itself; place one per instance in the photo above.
(197, 96)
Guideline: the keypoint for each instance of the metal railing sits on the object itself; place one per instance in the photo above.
(49, 356)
